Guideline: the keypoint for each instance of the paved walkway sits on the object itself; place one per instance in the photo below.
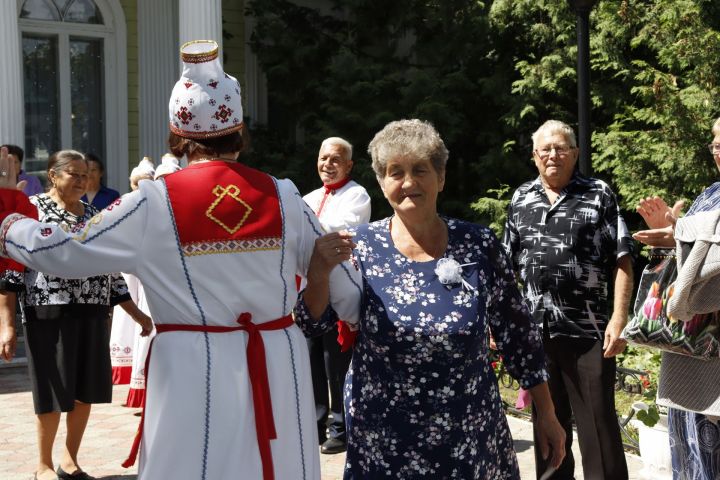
(111, 428)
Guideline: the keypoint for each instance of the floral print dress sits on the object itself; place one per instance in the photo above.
(421, 396)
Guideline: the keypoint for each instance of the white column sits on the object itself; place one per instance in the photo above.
(12, 114)
(201, 20)
(255, 94)
(158, 66)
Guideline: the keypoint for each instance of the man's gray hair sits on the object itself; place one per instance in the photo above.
(552, 127)
(340, 142)
(413, 138)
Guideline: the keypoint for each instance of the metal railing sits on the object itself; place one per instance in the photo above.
(626, 380)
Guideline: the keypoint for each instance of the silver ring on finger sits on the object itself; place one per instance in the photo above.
(337, 250)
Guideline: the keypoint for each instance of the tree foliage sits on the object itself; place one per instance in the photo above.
(487, 73)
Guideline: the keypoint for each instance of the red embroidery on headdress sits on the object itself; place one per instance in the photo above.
(213, 83)
(188, 84)
(223, 114)
(46, 232)
(184, 115)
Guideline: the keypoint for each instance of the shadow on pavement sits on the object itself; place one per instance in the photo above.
(14, 379)
(521, 445)
(118, 477)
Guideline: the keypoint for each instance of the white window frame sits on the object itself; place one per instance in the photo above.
(114, 35)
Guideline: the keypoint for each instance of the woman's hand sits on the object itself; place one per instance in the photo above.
(330, 250)
(8, 175)
(145, 322)
(8, 342)
(551, 435)
(139, 316)
(655, 212)
(8, 336)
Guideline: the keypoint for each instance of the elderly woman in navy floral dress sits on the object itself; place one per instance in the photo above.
(421, 396)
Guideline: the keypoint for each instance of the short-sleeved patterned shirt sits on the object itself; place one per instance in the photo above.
(565, 253)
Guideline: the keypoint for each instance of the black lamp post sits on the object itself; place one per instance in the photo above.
(582, 10)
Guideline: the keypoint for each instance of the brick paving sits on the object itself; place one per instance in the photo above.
(111, 428)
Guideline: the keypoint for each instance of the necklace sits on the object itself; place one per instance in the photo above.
(212, 159)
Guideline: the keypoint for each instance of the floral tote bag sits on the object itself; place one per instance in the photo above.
(650, 325)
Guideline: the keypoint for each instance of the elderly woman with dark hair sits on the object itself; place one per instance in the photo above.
(421, 396)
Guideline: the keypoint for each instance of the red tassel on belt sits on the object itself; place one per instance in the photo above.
(257, 368)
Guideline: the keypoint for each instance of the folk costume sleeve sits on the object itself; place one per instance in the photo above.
(345, 279)
(107, 243)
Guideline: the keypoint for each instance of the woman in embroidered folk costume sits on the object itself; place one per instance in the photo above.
(217, 246)
(66, 322)
(421, 397)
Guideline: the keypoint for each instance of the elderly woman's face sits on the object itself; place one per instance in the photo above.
(411, 185)
(716, 153)
(70, 183)
(333, 165)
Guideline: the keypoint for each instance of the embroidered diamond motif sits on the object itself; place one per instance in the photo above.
(223, 113)
(228, 210)
(184, 115)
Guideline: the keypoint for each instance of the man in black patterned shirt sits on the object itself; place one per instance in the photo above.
(568, 242)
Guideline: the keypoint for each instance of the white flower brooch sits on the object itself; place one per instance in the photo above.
(449, 272)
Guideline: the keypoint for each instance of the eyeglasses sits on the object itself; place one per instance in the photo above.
(714, 148)
(560, 150)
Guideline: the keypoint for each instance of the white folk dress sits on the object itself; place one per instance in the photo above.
(141, 345)
(214, 245)
(122, 337)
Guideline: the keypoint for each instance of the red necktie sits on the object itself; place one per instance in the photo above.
(329, 189)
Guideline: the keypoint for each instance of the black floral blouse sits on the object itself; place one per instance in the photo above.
(37, 288)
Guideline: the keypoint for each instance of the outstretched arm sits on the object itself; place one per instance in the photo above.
(108, 242)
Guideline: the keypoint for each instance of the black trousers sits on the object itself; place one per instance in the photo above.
(329, 366)
(582, 384)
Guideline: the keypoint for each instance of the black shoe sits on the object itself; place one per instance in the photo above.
(63, 475)
(332, 446)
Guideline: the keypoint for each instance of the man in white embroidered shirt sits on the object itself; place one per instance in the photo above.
(339, 204)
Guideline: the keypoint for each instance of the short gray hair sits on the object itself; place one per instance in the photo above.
(340, 142)
(552, 127)
(413, 138)
(716, 127)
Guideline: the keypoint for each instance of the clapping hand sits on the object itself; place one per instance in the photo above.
(657, 213)
(8, 174)
(661, 220)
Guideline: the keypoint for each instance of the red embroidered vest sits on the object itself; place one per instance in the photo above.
(222, 207)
